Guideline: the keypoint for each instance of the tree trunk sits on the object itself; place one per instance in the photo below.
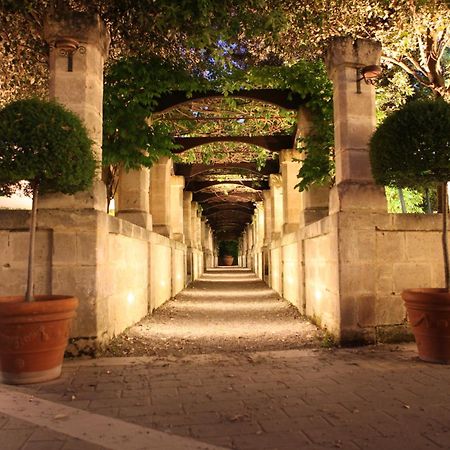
(402, 200)
(444, 234)
(29, 296)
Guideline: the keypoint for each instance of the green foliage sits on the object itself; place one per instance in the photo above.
(414, 200)
(309, 79)
(132, 90)
(43, 143)
(133, 87)
(411, 148)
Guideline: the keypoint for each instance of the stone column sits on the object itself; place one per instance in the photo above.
(133, 197)
(76, 81)
(160, 195)
(244, 249)
(187, 217)
(291, 195)
(314, 201)
(187, 230)
(176, 208)
(276, 200)
(354, 123)
(267, 202)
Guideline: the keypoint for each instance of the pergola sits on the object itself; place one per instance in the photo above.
(228, 191)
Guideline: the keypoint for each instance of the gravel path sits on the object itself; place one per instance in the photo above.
(226, 310)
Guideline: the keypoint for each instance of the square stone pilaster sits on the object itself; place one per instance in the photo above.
(176, 208)
(76, 81)
(276, 200)
(290, 166)
(133, 197)
(160, 195)
(314, 200)
(354, 123)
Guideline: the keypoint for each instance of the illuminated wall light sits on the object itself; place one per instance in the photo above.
(130, 298)
(318, 294)
(178, 277)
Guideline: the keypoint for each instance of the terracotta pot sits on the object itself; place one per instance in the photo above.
(429, 316)
(227, 260)
(33, 337)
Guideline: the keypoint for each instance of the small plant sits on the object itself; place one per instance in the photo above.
(48, 148)
(328, 340)
(411, 148)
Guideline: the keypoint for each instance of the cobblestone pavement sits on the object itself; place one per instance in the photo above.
(366, 398)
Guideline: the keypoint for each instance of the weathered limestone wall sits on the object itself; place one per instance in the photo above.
(276, 267)
(320, 288)
(160, 270)
(119, 271)
(380, 255)
(14, 255)
(291, 269)
(178, 261)
(352, 267)
(127, 279)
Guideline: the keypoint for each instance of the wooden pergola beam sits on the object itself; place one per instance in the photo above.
(273, 143)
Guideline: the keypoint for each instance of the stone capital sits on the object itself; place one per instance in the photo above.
(275, 180)
(87, 29)
(344, 51)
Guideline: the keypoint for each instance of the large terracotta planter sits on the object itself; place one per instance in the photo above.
(33, 337)
(227, 260)
(429, 316)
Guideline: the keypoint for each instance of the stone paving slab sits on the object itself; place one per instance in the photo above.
(33, 423)
(367, 398)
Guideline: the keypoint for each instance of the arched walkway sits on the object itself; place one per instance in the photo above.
(225, 310)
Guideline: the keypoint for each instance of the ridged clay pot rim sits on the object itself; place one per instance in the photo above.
(438, 296)
(15, 305)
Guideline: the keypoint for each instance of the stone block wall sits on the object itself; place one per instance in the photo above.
(292, 274)
(276, 267)
(14, 257)
(321, 295)
(126, 298)
(347, 271)
(118, 271)
(160, 270)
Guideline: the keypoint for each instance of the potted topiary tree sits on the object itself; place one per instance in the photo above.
(43, 148)
(411, 148)
(228, 252)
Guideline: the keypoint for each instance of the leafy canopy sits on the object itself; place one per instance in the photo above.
(411, 148)
(45, 144)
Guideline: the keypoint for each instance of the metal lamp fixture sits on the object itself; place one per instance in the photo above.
(369, 74)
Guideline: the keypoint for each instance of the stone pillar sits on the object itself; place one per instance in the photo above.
(267, 202)
(314, 201)
(133, 197)
(187, 230)
(354, 123)
(276, 200)
(160, 195)
(244, 249)
(187, 217)
(291, 195)
(76, 81)
(176, 208)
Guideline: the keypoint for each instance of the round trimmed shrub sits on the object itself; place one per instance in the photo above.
(44, 143)
(411, 148)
